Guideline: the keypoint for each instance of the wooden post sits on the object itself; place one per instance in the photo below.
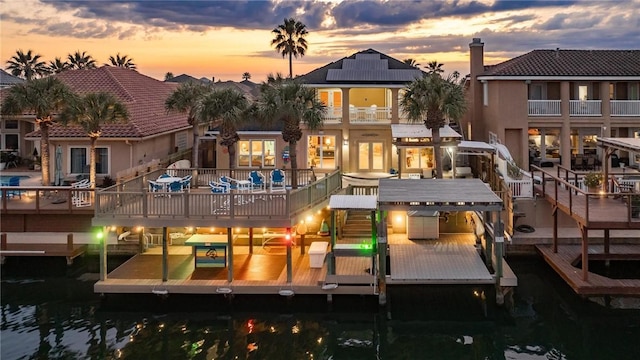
(250, 240)
(607, 262)
(3, 245)
(141, 241)
(382, 250)
(499, 242)
(555, 230)
(230, 253)
(103, 256)
(165, 254)
(289, 262)
(332, 258)
(585, 253)
(69, 242)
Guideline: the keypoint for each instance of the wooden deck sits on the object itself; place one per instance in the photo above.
(592, 210)
(564, 261)
(452, 259)
(49, 250)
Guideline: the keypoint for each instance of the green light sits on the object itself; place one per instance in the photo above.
(99, 235)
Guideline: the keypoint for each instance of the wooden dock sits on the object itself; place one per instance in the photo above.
(568, 256)
(69, 250)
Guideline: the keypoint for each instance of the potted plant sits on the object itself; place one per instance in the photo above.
(593, 180)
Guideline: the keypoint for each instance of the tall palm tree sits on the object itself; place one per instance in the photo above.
(246, 76)
(26, 65)
(124, 61)
(186, 99)
(227, 107)
(430, 100)
(290, 40)
(81, 61)
(91, 112)
(411, 62)
(45, 97)
(57, 66)
(434, 67)
(287, 101)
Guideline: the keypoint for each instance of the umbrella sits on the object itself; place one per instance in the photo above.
(58, 171)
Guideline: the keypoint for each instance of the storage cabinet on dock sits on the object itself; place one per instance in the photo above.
(423, 225)
(209, 250)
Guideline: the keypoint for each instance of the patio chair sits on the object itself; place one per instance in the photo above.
(219, 187)
(579, 163)
(186, 183)
(591, 163)
(278, 182)
(14, 181)
(219, 202)
(257, 181)
(81, 198)
(175, 186)
(155, 186)
(165, 175)
(230, 182)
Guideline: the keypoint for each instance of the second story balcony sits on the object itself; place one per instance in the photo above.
(625, 107)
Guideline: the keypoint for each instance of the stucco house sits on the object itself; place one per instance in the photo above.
(551, 105)
(150, 133)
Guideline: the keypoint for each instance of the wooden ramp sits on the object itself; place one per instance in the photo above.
(597, 285)
(437, 262)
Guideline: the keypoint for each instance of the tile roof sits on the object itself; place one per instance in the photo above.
(570, 63)
(364, 67)
(143, 96)
(7, 79)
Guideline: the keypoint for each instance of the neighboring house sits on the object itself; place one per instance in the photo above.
(151, 132)
(551, 105)
(182, 78)
(13, 130)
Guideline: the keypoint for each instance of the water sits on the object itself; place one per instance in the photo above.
(54, 316)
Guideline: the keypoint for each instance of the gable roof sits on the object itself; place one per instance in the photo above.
(364, 67)
(7, 79)
(559, 63)
(182, 78)
(143, 96)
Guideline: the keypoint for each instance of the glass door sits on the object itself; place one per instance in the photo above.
(370, 156)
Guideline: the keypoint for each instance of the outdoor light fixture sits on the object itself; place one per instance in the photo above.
(345, 142)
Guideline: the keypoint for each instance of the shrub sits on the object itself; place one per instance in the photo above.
(593, 179)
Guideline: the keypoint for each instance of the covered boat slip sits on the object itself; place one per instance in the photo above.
(451, 259)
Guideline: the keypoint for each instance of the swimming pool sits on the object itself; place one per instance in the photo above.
(4, 179)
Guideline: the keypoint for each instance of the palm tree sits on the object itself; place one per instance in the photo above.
(287, 101)
(411, 62)
(91, 112)
(44, 97)
(81, 61)
(124, 61)
(433, 67)
(57, 66)
(168, 76)
(290, 40)
(186, 99)
(431, 99)
(246, 76)
(26, 65)
(227, 107)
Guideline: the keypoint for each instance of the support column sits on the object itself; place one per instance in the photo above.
(250, 240)
(565, 131)
(499, 240)
(289, 262)
(382, 251)
(488, 241)
(373, 242)
(230, 253)
(607, 262)
(165, 254)
(554, 213)
(103, 253)
(585, 253)
(332, 259)
(395, 118)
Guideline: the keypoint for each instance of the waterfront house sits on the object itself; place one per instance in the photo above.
(550, 106)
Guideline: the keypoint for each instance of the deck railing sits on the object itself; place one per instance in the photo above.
(585, 107)
(132, 198)
(48, 199)
(544, 108)
(369, 115)
(625, 107)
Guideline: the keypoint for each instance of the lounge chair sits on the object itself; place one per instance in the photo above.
(257, 181)
(278, 182)
(230, 182)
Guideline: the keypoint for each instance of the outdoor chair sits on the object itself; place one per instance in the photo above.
(175, 186)
(155, 186)
(165, 175)
(591, 163)
(219, 202)
(579, 164)
(14, 181)
(278, 182)
(230, 182)
(81, 198)
(257, 181)
(186, 183)
(219, 187)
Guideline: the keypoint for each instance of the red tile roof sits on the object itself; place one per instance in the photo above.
(570, 63)
(143, 96)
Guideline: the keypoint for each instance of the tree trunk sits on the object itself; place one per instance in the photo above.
(44, 153)
(290, 66)
(92, 162)
(196, 145)
(231, 149)
(437, 154)
(293, 157)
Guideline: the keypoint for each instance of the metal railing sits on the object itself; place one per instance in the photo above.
(544, 108)
(585, 107)
(625, 107)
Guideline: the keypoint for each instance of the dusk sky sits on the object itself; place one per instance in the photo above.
(227, 38)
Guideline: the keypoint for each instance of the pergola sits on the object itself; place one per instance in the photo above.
(610, 145)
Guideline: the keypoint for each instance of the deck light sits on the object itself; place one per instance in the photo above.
(212, 229)
(309, 218)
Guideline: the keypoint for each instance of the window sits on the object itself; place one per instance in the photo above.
(321, 151)
(419, 158)
(10, 142)
(485, 93)
(80, 161)
(257, 153)
(11, 124)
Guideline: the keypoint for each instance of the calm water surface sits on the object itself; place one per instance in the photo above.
(46, 314)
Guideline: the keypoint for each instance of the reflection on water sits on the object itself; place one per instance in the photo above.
(55, 317)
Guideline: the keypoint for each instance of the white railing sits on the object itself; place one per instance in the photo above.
(544, 108)
(585, 107)
(369, 114)
(333, 114)
(625, 107)
(522, 188)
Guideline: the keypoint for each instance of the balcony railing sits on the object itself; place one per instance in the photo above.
(625, 107)
(370, 114)
(585, 107)
(333, 115)
(544, 108)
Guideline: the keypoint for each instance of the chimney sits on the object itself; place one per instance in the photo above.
(557, 53)
(476, 68)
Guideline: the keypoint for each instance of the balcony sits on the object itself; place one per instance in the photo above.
(369, 115)
(625, 107)
(544, 108)
(585, 107)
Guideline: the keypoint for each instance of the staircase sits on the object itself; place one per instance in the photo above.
(358, 225)
(456, 127)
